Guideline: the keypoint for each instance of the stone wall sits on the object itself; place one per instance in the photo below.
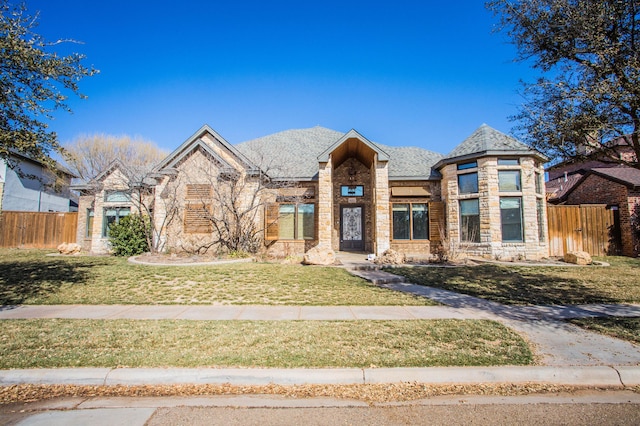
(491, 244)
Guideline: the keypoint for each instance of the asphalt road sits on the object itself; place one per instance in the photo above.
(602, 408)
(461, 414)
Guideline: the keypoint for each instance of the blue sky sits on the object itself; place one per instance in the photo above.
(404, 73)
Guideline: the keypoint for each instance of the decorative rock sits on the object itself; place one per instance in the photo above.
(319, 256)
(578, 258)
(69, 249)
(390, 257)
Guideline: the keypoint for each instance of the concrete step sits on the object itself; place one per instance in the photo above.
(376, 276)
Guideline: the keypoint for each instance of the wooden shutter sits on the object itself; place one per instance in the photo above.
(199, 192)
(196, 218)
(437, 223)
(271, 231)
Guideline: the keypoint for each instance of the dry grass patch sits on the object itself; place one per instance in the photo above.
(287, 344)
(30, 277)
(626, 328)
(537, 285)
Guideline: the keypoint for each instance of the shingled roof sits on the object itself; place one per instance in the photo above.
(293, 154)
(627, 176)
(487, 141)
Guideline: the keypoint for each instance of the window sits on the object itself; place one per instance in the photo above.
(296, 222)
(511, 217)
(90, 216)
(113, 215)
(538, 177)
(540, 211)
(352, 191)
(470, 220)
(508, 162)
(468, 183)
(470, 165)
(410, 221)
(117, 197)
(509, 180)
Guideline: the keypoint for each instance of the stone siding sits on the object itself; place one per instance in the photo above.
(491, 244)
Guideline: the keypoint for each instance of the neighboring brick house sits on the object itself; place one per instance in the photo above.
(343, 192)
(617, 187)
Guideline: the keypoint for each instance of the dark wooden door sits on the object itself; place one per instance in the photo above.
(352, 228)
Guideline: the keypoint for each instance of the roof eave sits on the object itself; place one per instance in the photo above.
(490, 153)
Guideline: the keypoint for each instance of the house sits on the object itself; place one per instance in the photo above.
(318, 187)
(600, 182)
(29, 185)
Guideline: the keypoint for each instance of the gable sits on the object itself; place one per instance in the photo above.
(353, 144)
(208, 141)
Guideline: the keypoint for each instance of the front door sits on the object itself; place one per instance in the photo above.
(351, 228)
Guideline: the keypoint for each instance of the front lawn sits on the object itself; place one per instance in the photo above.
(537, 285)
(626, 328)
(30, 277)
(56, 343)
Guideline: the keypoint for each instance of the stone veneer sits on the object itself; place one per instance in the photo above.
(491, 244)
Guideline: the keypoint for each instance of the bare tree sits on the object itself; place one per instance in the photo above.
(89, 155)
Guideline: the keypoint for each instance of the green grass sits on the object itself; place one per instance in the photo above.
(626, 328)
(30, 277)
(55, 343)
(537, 285)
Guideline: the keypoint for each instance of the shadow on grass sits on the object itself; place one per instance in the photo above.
(32, 278)
(509, 286)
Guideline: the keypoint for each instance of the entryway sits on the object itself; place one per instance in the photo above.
(352, 227)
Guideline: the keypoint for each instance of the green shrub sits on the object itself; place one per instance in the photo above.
(128, 237)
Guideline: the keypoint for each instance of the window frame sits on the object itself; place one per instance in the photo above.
(298, 228)
(508, 161)
(518, 181)
(411, 226)
(464, 236)
(91, 214)
(520, 216)
(540, 213)
(359, 193)
(467, 166)
(118, 216)
(477, 189)
(117, 196)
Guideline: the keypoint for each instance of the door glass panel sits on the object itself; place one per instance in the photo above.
(352, 223)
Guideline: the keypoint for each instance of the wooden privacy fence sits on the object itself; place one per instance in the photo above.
(36, 229)
(587, 227)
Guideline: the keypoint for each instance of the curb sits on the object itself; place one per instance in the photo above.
(570, 375)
